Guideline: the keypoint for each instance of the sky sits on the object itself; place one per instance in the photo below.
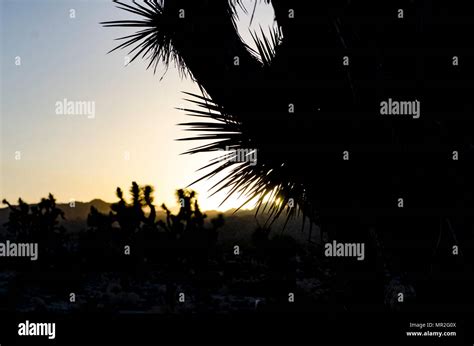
(53, 50)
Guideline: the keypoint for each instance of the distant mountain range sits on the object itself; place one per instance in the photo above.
(238, 226)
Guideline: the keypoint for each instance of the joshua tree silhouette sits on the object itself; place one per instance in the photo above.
(38, 222)
(132, 217)
(310, 95)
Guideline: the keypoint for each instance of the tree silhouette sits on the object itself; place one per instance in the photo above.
(181, 235)
(19, 219)
(288, 73)
(190, 221)
(301, 108)
(36, 223)
(148, 200)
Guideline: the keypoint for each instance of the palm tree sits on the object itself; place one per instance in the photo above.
(309, 95)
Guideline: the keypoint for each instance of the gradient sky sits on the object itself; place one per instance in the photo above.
(75, 157)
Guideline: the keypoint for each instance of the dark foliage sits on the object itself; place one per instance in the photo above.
(336, 108)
